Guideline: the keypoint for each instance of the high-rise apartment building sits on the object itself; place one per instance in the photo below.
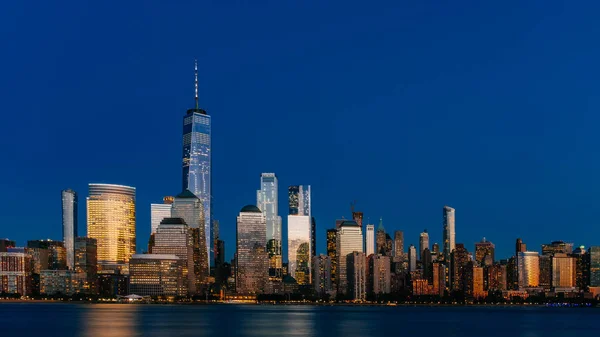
(438, 278)
(173, 237)
(528, 269)
(379, 281)
(497, 277)
(15, 273)
(459, 260)
(299, 233)
(423, 243)
(155, 275)
(582, 268)
(545, 263)
(349, 239)
(252, 267)
(191, 209)
(48, 254)
(594, 253)
(111, 221)
(449, 234)
(69, 224)
(197, 162)
(399, 244)
(370, 240)
(86, 263)
(380, 239)
(412, 258)
(322, 274)
(158, 212)
(563, 271)
(356, 268)
(484, 253)
(332, 253)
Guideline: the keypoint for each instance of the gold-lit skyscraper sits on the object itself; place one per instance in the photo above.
(111, 221)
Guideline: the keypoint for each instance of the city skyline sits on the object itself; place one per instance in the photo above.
(525, 145)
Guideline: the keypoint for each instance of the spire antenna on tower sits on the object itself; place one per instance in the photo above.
(196, 81)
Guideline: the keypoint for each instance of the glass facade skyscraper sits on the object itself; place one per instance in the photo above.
(528, 264)
(158, 212)
(449, 234)
(594, 253)
(111, 221)
(69, 224)
(267, 202)
(252, 260)
(173, 237)
(299, 233)
(196, 163)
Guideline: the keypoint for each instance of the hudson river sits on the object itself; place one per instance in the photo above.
(128, 320)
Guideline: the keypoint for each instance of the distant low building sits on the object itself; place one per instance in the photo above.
(63, 282)
(155, 275)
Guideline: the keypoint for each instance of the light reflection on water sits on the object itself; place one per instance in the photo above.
(123, 320)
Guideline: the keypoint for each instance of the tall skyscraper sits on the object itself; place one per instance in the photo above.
(349, 239)
(563, 271)
(158, 212)
(412, 258)
(86, 262)
(582, 268)
(379, 274)
(332, 253)
(449, 234)
(313, 237)
(423, 243)
(459, 259)
(111, 221)
(357, 281)
(197, 164)
(484, 253)
(252, 260)
(267, 201)
(594, 252)
(399, 244)
(370, 237)
(190, 208)
(69, 224)
(528, 269)
(322, 274)
(299, 233)
(381, 240)
(174, 237)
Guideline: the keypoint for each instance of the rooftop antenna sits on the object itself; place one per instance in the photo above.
(196, 81)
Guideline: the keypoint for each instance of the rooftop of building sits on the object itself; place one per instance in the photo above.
(154, 257)
(187, 194)
(349, 223)
(250, 209)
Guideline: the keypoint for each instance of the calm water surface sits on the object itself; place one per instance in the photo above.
(122, 320)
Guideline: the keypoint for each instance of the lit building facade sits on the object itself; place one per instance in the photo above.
(438, 278)
(412, 258)
(545, 262)
(69, 224)
(267, 201)
(370, 240)
(197, 163)
(449, 233)
(191, 209)
(322, 274)
(399, 244)
(332, 253)
(65, 282)
(497, 277)
(252, 267)
(158, 212)
(485, 253)
(86, 263)
(15, 273)
(379, 274)
(356, 268)
(47, 254)
(155, 275)
(380, 240)
(349, 239)
(528, 264)
(423, 243)
(563, 271)
(459, 259)
(5, 244)
(557, 247)
(173, 237)
(299, 233)
(582, 268)
(111, 221)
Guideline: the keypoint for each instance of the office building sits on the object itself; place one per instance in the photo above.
(69, 224)
(438, 278)
(15, 273)
(582, 268)
(299, 233)
(357, 286)
(197, 164)
(528, 264)
(379, 281)
(191, 209)
(449, 233)
(557, 247)
(267, 202)
(380, 239)
(426, 264)
(399, 244)
(252, 267)
(62, 282)
(332, 253)
(423, 243)
(545, 281)
(563, 271)
(47, 254)
(594, 257)
(155, 275)
(476, 288)
(497, 277)
(412, 258)
(459, 260)
(370, 240)
(322, 274)
(86, 263)
(158, 212)
(173, 237)
(349, 239)
(313, 236)
(484, 253)
(111, 221)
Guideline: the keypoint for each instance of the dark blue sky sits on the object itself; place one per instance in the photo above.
(491, 108)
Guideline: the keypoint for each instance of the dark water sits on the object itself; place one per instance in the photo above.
(123, 320)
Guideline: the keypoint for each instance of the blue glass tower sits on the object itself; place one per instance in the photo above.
(197, 159)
